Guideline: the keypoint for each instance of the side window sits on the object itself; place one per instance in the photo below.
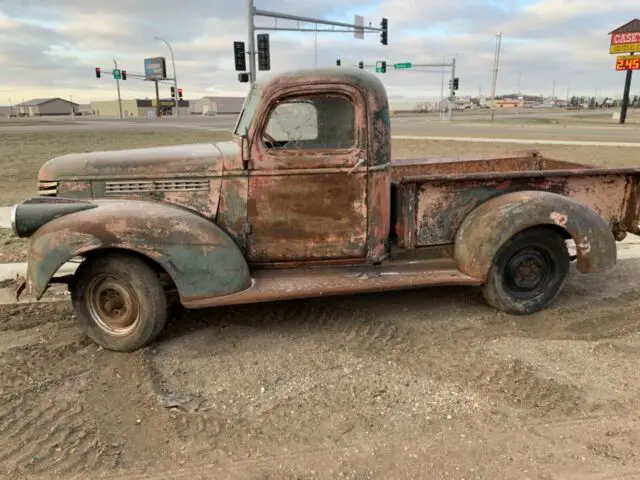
(311, 122)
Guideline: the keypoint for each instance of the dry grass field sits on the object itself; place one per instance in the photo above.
(408, 385)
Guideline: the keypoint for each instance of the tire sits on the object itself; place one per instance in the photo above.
(139, 292)
(550, 260)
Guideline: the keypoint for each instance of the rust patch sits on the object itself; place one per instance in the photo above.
(489, 226)
(558, 218)
(232, 208)
(305, 217)
(379, 212)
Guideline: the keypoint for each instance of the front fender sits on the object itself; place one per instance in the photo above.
(202, 259)
(490, 225)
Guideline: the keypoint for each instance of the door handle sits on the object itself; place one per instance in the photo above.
(360, 162)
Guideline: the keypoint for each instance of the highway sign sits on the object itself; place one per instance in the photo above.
(402, 65)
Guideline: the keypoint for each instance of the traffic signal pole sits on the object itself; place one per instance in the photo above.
(357, 28)
(452, 89)
(383, 66)
(118, 86)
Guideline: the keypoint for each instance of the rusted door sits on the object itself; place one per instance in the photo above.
(308, 178)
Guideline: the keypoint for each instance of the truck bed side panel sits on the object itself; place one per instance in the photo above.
(441, 205)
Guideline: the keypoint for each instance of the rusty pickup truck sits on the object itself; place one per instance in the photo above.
(305, 200)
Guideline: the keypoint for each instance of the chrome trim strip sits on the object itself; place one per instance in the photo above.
(14, 212)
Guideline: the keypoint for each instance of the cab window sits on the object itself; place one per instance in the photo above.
(311, 122)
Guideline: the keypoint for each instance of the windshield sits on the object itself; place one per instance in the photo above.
(248, 109)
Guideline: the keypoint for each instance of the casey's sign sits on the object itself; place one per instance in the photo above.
(622, 38)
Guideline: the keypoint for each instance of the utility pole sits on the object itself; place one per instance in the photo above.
(519, 82)
(118, 86)
(496, 63)
(73, 113)
(442, 80)
(553, 92)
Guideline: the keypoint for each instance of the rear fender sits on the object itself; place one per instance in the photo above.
(201, 259)
(490, 225)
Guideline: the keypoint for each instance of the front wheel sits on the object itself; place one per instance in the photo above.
(119, 301)
(528, 272)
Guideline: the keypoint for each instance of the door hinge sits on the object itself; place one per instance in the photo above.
(247, 228)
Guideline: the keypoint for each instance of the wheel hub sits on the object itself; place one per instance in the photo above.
(528, 271)
(112, 304)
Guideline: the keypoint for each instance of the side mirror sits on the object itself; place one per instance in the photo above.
(245, 149)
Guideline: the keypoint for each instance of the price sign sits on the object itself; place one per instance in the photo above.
(628, 62)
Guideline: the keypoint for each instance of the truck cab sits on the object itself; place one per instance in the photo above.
(305, 201)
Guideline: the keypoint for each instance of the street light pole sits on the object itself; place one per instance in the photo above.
(175, 79)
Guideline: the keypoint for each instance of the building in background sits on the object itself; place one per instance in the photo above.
(39, 107)
(84, 109)
(217, 105)
(144, 107)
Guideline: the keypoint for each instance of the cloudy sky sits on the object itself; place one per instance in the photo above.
(51, 47)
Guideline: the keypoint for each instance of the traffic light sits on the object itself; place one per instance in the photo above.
(383, 66)
(239, 56)
(243, 77)
(124, 74)
(455, 83)
(180, 93)
(384, 24)
(98, 74)
(264, 57)
(338, 62)
(360, 65)
(173, 92)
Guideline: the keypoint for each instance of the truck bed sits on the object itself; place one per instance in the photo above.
(518, 161)
(431, 197)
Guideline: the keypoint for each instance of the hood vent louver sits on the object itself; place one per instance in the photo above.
(48, 189)
(149, 186)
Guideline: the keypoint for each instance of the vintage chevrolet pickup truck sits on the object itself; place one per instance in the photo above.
(304, 201)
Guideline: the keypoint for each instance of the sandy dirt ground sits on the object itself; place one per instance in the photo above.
(420, 384)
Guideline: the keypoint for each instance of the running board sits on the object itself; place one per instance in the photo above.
(286, 284)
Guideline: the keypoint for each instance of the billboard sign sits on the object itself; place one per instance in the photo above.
(155, 68)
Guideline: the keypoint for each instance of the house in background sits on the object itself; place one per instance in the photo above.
(217, 105)
(39, 107)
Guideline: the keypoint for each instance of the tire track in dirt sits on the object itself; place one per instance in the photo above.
(47, 429)
(29, 315)
(534, 447)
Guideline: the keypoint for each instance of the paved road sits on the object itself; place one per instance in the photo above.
(401, 125)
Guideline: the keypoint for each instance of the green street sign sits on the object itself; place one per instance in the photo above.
(381, 66)
(402, 65)
(117, 74)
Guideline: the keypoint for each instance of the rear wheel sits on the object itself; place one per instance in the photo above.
(119, 301)
(528, 272)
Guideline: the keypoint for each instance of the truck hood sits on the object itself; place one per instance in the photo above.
(198, 158)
